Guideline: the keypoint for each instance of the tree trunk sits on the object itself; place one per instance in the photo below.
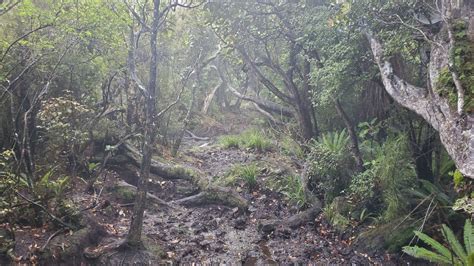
(134, 235)
(456, 130)
(177, 143)
(352, 136)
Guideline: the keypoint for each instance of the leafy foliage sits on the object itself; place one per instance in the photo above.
(294, 190)
(330, 164)
(336, 142)
(453, 253)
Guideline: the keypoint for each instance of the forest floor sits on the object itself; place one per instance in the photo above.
(209, 233)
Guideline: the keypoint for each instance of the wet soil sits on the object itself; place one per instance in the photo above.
(209, 233)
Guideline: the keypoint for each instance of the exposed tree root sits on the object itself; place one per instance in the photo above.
(304, 216)
(152, 198)
(213, 195)
(165, 171)
(209, 194)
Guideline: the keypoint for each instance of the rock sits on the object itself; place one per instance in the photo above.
(267, 227)
(240, 223)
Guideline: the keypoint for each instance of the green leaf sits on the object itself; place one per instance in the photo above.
(423, 253)
(442, 250)
(469, 237)
(454, 243)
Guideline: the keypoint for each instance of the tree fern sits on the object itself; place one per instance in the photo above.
(456, 254)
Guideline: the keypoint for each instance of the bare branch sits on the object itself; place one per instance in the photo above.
(21, 38)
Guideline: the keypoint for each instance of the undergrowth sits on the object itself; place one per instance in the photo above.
(248, 174)
(251, 139)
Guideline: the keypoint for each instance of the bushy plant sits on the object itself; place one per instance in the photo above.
(256, 140)
(294, 190)
(247, 173)
(395, 173)
(65, 121)
(229, 141)
(329, 170)
(336, 142)
(362, 186)
(452, 252)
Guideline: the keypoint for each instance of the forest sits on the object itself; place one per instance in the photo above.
(149, 132)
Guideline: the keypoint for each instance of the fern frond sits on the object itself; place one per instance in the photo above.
(440, 195)
(423, 253)
(454, 243)
(438, 247)
(469, 238)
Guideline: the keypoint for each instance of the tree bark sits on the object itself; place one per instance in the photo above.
(352, 136)
(456, 131)
(134, 234)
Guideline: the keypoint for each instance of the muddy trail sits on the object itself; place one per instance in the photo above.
(205, 233)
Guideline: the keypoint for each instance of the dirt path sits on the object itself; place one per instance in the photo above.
(210, 233)
(218, 234)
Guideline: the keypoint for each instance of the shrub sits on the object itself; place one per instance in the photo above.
(329, 171)
(362, 186)
(66, 122)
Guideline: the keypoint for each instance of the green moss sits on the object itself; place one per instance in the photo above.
(152, 247)
(463, 58)
(125, 194)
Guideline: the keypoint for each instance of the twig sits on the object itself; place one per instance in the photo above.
(51, 238)
(45, 210)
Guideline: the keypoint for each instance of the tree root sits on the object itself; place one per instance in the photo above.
(304, 217)
(209, 194)
(152, 198)
(215, 195)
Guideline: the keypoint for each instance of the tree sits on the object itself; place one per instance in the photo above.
(149, 93)
(454, 121)
(273, 54)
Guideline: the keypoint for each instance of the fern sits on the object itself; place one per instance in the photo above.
(335, 141)
(423, 253)
(442, 250)
(441, 254)
(454, 243)
(469, 238)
